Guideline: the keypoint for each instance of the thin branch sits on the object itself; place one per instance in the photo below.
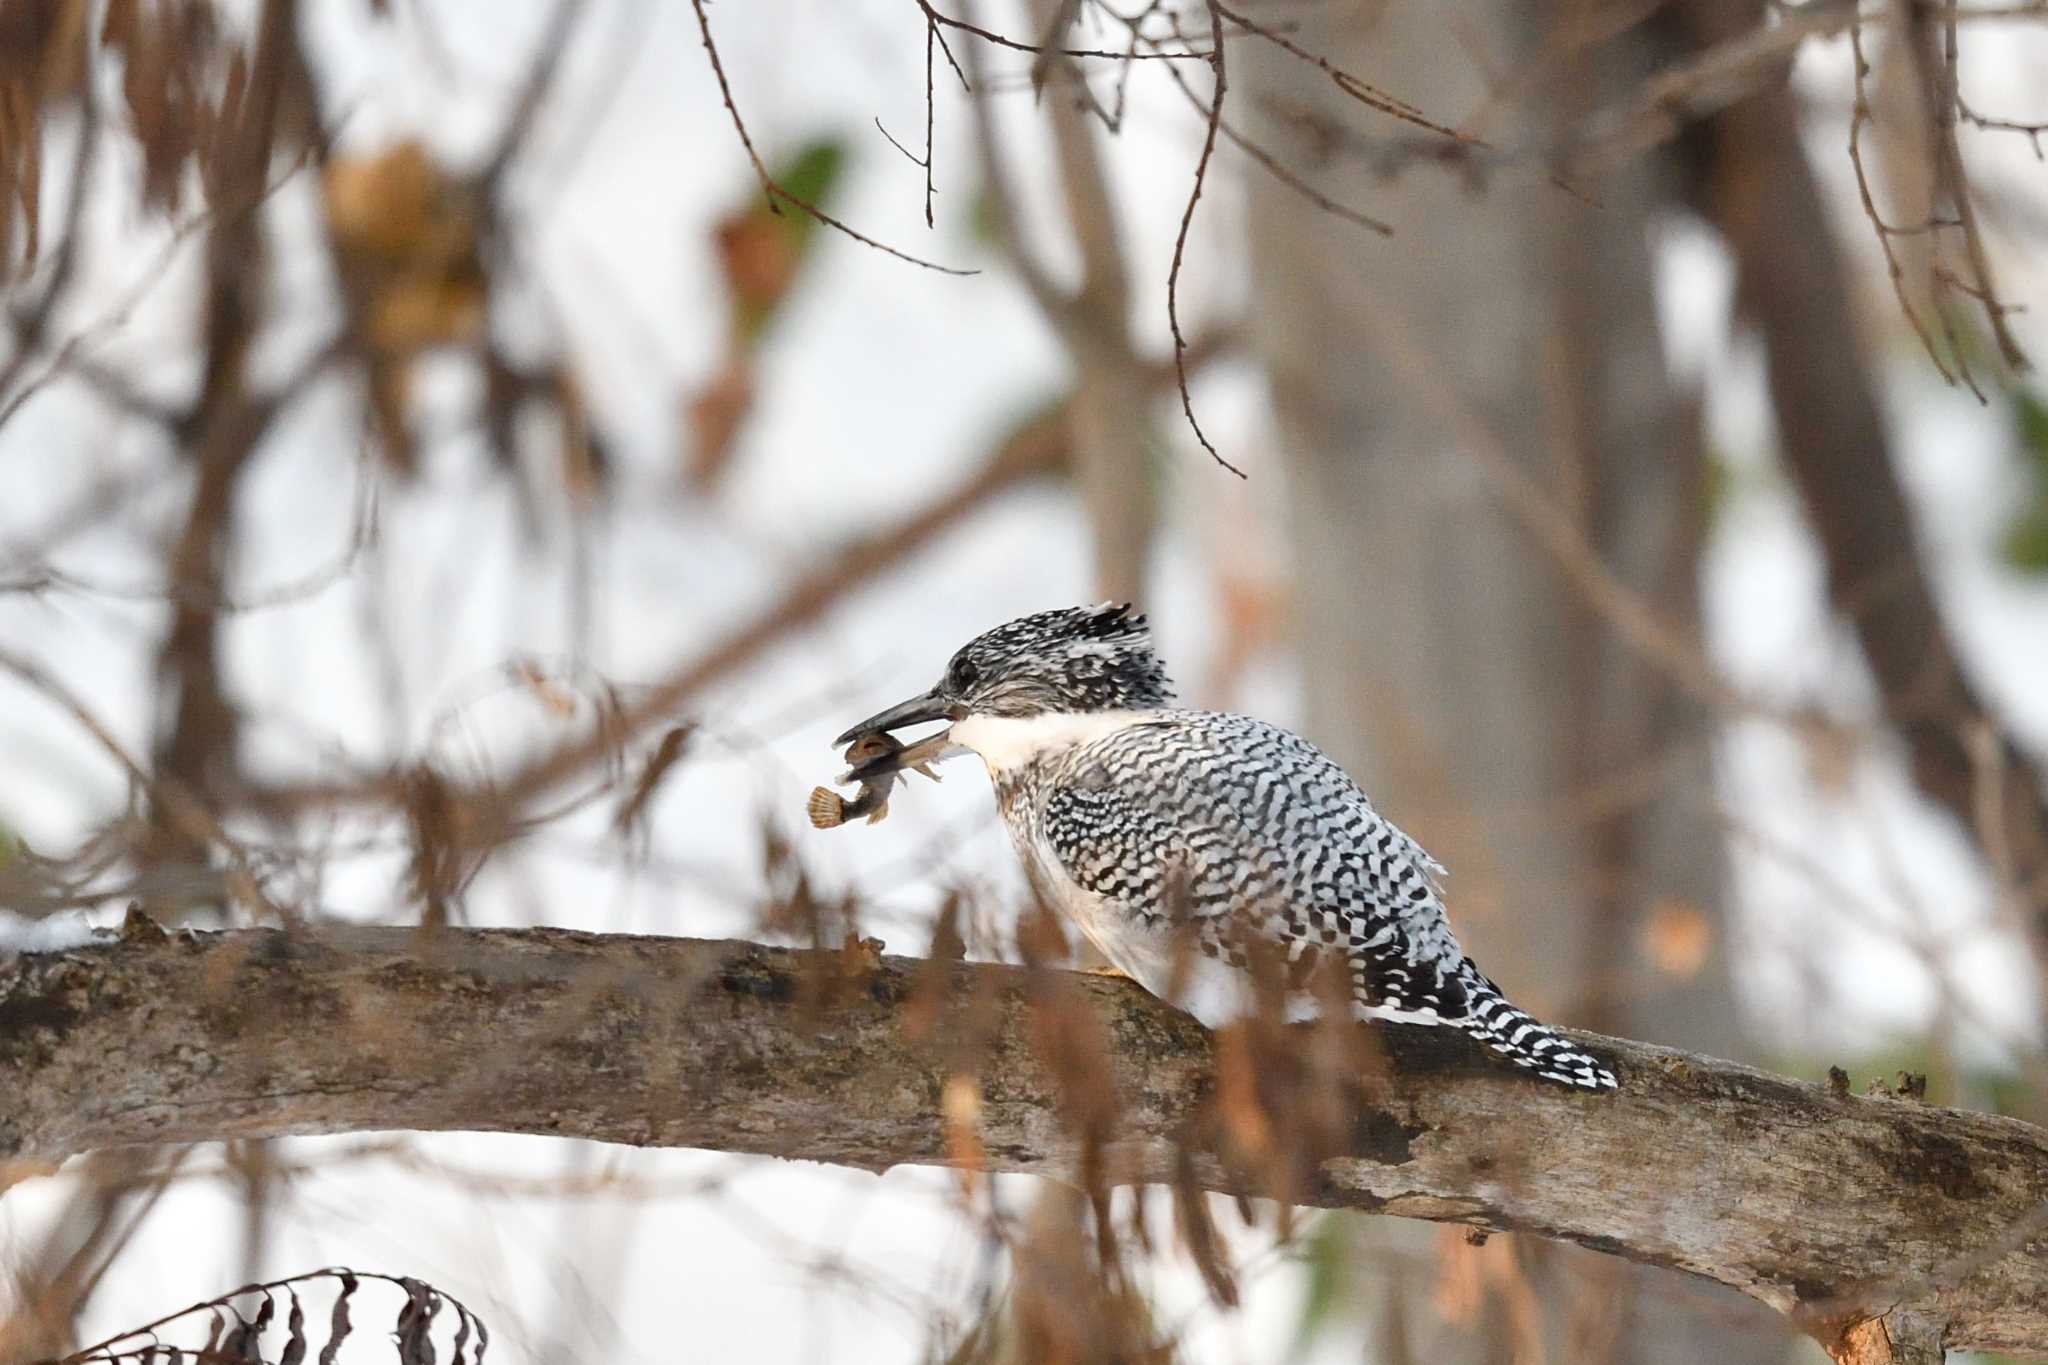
(1706, 82)
(1272, 165)
(912, 157)
(1940, 86)
(931, 40)
(931, 35)
(1180, 239)
(1064, 12)
(31, 323)
(1792, 282)
(110, 385)
(1052, 300)
(771, 187)
(1859, 116)
(1366, 93)
(47, 578)
(932, 27)
(1031, 450)
(182, 808)
(990, 36)
(540, 76)
(2032, 131)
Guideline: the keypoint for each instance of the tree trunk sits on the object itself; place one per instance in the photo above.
(1479, 698)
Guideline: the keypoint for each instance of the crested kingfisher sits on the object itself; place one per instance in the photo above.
(1196, 849)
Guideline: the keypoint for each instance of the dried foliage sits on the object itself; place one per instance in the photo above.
(243, 1325)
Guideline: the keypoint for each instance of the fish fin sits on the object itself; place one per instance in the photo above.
(881, 813)
(926, 769)
(826, 807)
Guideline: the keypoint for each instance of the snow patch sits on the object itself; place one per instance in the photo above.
(49, 934)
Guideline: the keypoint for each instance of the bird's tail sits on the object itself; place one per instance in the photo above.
(1494, 1020)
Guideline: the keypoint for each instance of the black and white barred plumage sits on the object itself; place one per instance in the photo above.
(1205, 854)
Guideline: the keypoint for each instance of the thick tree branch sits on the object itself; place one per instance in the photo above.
(1826, 1205)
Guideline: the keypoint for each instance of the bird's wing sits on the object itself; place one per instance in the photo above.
(1255, 839)
(1252, 838)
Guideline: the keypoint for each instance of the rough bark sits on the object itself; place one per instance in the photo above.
(1829, 1206)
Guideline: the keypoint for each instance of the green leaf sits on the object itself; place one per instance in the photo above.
(1719, 483)
(2030, 427)
(984, 225)
(1327, 1255)
(814, 173)
(2025, 543)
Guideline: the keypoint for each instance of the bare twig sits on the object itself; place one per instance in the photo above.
(931, 39)
(771, 187)
(1064, 12)
(1704, 83)
(47, 578)
(181, 806)
(2032, 131)
(1366, 93)
(1939, 87)
(942, 20)
(1859, 117)
(110, 385)
(1029, 451)
(533, 91)
(1272, 165)
(30, 325)
(1791, 282)
(1180, 240)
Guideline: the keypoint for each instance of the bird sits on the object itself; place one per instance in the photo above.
(1217, 859)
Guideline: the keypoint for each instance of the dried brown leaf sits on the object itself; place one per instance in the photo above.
(675, 741)
(714, 416)
(1677, 937)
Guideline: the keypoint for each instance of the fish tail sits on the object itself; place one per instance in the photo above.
(826, 808)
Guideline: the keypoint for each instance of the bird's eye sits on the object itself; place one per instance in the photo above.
(962, 675)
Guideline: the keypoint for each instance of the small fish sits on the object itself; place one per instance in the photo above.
(828, 809)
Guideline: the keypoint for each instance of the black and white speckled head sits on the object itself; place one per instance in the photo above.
(1075, 660)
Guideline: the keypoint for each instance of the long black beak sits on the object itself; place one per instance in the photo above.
(930, 706)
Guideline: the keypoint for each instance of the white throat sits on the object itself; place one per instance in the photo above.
(1007, 743)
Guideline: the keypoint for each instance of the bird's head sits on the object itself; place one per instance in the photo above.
(1076, 660)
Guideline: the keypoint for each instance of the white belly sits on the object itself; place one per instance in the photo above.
(1214, 992)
